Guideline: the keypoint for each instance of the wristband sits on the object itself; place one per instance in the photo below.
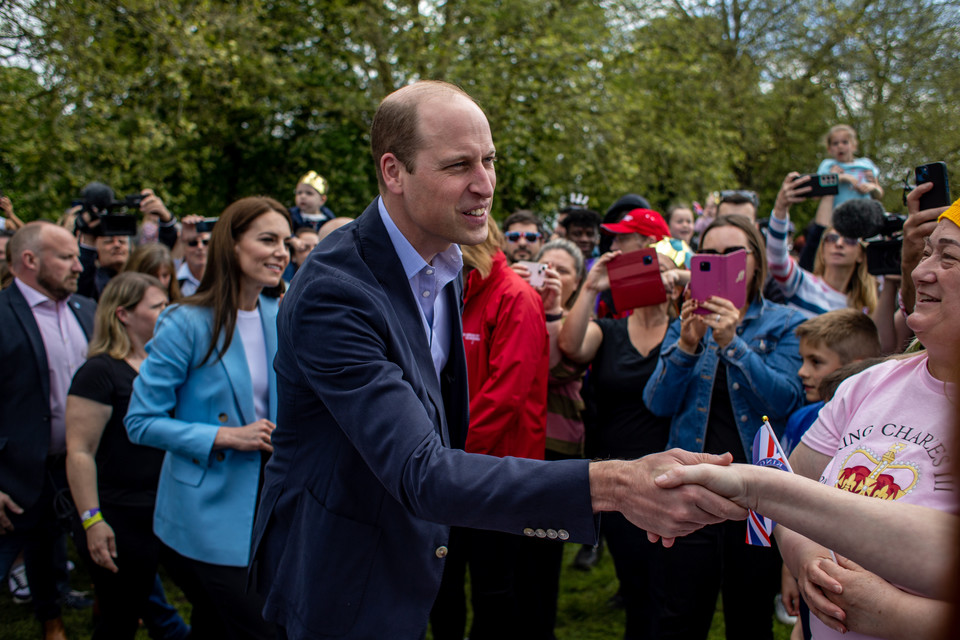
(553, 317)
(89, 513)
(92, 520)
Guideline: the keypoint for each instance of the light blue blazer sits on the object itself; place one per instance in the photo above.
(205, 498)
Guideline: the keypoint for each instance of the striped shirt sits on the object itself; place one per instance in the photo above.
(801, 289)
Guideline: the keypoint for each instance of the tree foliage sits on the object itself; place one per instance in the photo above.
(209, 100)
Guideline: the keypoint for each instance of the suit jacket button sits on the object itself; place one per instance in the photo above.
(222, 417)
(529, 532)
(220, 456)
(541, 533)
(551, 534)
(441, 552)
(563, 534)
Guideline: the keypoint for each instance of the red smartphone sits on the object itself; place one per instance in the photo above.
(635, 280)
(724, 276)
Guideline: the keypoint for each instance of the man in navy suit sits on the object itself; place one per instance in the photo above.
(368, 470)
(45, 330)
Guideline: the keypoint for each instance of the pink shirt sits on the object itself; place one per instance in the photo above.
(889, 432)
(66, 347)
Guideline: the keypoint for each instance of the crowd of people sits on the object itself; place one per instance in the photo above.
(316, 425)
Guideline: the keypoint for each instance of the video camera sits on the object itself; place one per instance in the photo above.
(883, 233)
(99, 204)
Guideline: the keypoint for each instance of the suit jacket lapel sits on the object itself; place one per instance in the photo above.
(234, 363)
(268, 316)
(378, 252)
(22, 310)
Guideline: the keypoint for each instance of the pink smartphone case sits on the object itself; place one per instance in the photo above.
(725, 278)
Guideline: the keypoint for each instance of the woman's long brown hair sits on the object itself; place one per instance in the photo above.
(220, 287)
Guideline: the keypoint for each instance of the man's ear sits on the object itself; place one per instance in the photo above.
(30, 260)
(393, 173)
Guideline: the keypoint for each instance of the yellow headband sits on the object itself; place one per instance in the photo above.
(316, 181)
(952, 214)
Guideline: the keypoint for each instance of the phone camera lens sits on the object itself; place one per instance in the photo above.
(704, 266)
(647, 259)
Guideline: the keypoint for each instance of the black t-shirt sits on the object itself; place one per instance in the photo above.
(722, 432)
(625, 427)
(126, 473)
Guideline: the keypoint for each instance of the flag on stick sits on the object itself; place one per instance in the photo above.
(766, 453)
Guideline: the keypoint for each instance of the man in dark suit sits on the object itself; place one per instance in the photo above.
(43, 341)
(368, 470)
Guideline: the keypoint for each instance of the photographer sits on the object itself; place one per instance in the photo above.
(106, 229)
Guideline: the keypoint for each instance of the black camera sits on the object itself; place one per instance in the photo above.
(883, 233)
(103, 215)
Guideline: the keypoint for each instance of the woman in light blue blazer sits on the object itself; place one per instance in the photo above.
(207, 395)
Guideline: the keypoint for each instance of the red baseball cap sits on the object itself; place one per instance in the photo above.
(646, 222)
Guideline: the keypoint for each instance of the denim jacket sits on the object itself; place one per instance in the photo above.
(762, 363)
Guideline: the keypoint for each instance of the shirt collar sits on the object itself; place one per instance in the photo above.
(448, 262)
(33, 297)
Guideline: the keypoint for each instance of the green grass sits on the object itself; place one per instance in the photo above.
(583, 613)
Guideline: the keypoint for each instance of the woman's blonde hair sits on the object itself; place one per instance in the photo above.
(862, 288)
(124, 291)
(480, 256)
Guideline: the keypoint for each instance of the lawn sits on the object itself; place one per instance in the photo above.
(583, 610)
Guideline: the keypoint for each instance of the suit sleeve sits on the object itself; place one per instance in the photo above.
(167, 367)
(499, 408)
(365, 375)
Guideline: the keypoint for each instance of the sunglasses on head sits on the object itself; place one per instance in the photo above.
(196, 242)
(727, 251)
(834, 238)
(741, 195)
(529, 236)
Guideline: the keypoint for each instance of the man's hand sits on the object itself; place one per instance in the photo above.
(629, 487)
(102, 544)
(6, 502)
(191, 220)
(153, 205)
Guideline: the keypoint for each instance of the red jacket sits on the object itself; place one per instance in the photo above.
(508, 362)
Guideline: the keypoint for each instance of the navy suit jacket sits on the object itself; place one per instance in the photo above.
(25, 400)
(363, 483)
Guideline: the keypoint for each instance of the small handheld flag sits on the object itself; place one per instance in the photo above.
(766, 453)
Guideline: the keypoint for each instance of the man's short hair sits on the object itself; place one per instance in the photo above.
(739, 196)
(580, 217)
(830, 382)
(396, 123)
(524, 216)
(302, 231)
(26, 238)
(849, 333)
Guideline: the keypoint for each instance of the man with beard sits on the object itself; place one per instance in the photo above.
(523, 236)
(44, 341)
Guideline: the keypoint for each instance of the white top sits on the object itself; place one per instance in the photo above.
(255, 347)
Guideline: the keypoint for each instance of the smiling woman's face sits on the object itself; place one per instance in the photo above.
(261, 251)
(937, 281)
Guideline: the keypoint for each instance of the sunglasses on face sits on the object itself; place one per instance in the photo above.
(834, 238)
(196, 242)
(727, 251)
(529, 236)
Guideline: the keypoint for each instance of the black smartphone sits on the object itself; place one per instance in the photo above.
(206, 225)
(822, 184)
(939, 196)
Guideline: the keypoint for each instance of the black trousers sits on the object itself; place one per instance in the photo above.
(633, 557)
(689, 576)
(222, 607)
(123, 596)
(492, 557)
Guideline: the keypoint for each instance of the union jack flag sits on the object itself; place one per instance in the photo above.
(766, 453)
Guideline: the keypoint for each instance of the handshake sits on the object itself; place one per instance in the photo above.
(670, 494)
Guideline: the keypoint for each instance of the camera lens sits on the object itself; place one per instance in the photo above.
(922, 174)
(647, 259)
(704, 266)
